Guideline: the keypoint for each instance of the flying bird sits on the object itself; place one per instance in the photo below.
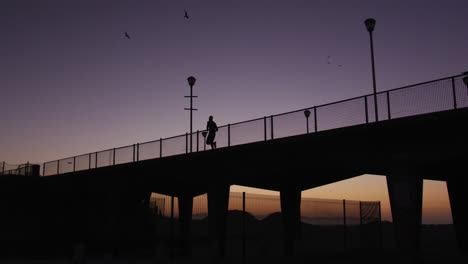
(126, 35)
(186, 15)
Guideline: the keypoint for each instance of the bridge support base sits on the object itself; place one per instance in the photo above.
(185, 221)
(405, 192)
(218, 201)
(457, 186)
(291, 212)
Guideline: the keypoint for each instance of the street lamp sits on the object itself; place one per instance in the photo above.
(370, 24)
(465, 79)
(307, 114)
(191, 81)
(204, 139)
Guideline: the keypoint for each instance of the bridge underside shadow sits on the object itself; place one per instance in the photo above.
(405, 150)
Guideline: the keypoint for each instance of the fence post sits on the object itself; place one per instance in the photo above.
(367, 111)
(3, 167)
(265, 127)
(95, 159)
(160, 147)
(89, 161)
(113, 156)
(172, 226)
(197, 139)
(344, 223)
(380, 227)
(74, 159)
(454, 94)
(315, 118)
(388, 106)
(138, 152)
(186, 143)
(43, 168)
(243, 224)
(229, 135)
(58, 166)
(272, 137)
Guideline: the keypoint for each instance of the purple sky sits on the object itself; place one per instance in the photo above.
(72, 84)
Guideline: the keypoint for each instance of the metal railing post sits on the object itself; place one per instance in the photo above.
(74, 162)
(388, 106)
(265, 127)
(58, 166)
(367, 110)
(315, 118)
(43, 168)
(454, 94)
(138, 152)
(186, 143)
(89, 161)
(95, 160)
(133, 152)
(113, 156)
(160, 147)
(229, 135)
(197, 139)
(271, 124)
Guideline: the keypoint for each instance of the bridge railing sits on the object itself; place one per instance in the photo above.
(427, 97)
(26, 169)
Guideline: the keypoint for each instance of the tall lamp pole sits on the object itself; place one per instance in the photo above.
(370, 24)
(191, 81)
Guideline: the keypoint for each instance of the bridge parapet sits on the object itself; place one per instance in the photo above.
(26, 169)
(433, 96)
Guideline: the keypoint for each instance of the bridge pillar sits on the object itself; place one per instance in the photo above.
(405, 193)
(185, 221)
(291, 212)
(457, 186)
(218, 201)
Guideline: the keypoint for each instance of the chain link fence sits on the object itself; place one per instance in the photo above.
(255, 227)
(433, 96)
(21, 169)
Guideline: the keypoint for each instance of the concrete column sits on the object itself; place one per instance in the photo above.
(405, 193)
(457, 186)
(185, 221)
(218, 201)
(291, 212)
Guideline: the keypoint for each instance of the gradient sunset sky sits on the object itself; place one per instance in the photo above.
(73, 84)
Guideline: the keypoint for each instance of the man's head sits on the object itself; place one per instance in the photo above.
(210, 118)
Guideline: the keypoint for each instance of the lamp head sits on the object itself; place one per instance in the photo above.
(370, 24)
(191, 80)
(465, 80)
(307, 113)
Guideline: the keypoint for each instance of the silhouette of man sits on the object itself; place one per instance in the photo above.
(212, 128)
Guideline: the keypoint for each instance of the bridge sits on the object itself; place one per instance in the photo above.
(417, 133)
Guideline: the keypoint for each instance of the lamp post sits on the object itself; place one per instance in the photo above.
(191, 81)
(307, 114)
(370, 24)
(204, 139)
